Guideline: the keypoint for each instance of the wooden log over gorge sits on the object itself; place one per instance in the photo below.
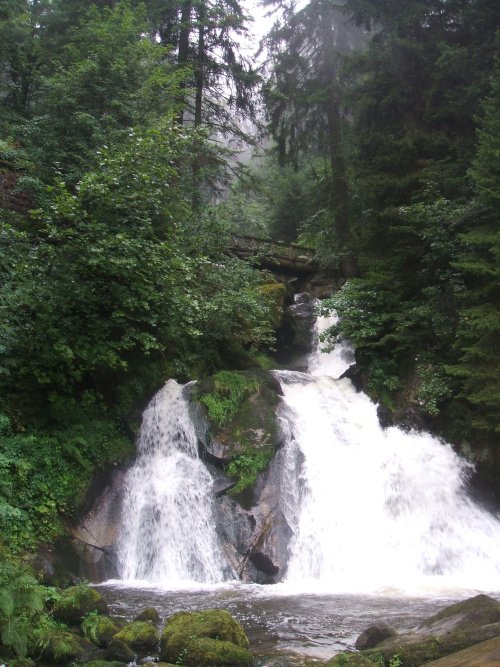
(274, 254)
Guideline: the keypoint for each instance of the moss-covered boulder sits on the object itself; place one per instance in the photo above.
(244, 432)
(100, 630)
(206, 652)
(158, 664)
(349, 659)
(149, 614)
(140, 636)
(18, 662)
(118, 650)
(76, 602)
(373, 635)
(275, 294)
(467, 614)
(183, 628)
(63, 647)
(105, 663)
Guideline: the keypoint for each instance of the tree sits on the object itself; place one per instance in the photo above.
(479, 331)
(304, 97)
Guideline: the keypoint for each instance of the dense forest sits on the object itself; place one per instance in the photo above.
(120, 129)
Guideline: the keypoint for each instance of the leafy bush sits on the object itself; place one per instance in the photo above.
(230, 389)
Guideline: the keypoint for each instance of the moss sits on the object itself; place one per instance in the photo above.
(226, 392)
(348, 659)
(206, 652)
(150, 614)
(275, 296)
(76, 602)
(118, 650)
(140, 636)
(105, 663)
(61, 646)
(479, 610)
(184, 627)
(99, 629)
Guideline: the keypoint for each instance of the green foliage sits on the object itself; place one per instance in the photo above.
(230, 389)
(99, 629)
(21, 607)
(76, 602)
(42, 476)
(247, 467)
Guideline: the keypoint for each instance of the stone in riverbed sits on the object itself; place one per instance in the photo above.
(183, 628)
(118, 650)
(99, 629)
(140, 636)
(373, 635)
(349, 659)
(149, 614)
(206, 652)
(76, 602)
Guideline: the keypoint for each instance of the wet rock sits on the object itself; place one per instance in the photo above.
(452, 629)
(471, 613)
(99, 629)
(149, 614)
(206, 652)
(263, 563)
(350, 659)
(140, 636)
(253, 523)
(300, 317)
(215, 624)
(76, 602)
(63, 647)
(118, 650)
(95, 537)
(373, 635)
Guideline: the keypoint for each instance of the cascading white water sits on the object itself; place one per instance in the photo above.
(167, 520)
(375, 508)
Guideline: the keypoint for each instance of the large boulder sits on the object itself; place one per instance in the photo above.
(350, 659)
(206, 652)
(118, 650)
(373, 635)
(150, 615)
(183, 628)
(454, 628)
(100, 630)
(76, 602)
(63, 647)
(140, 636)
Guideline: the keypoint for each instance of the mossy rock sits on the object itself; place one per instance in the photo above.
(244, 431)
(105, 663)
(17, 662)
(63, 647)
(100, 630)
(118, 650)
(348, 659)
(182, 628)
(206, 652)
(275, 296)
(141, 636)
(149, 614)
(158, 664)
(76, 602)
(473, 612)
(415, 651)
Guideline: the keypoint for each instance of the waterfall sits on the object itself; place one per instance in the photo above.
(168, 530)
(371, 507)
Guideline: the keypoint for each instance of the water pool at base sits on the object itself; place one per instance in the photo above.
(278, 622)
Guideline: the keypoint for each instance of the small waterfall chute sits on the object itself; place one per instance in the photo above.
(168, 532)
